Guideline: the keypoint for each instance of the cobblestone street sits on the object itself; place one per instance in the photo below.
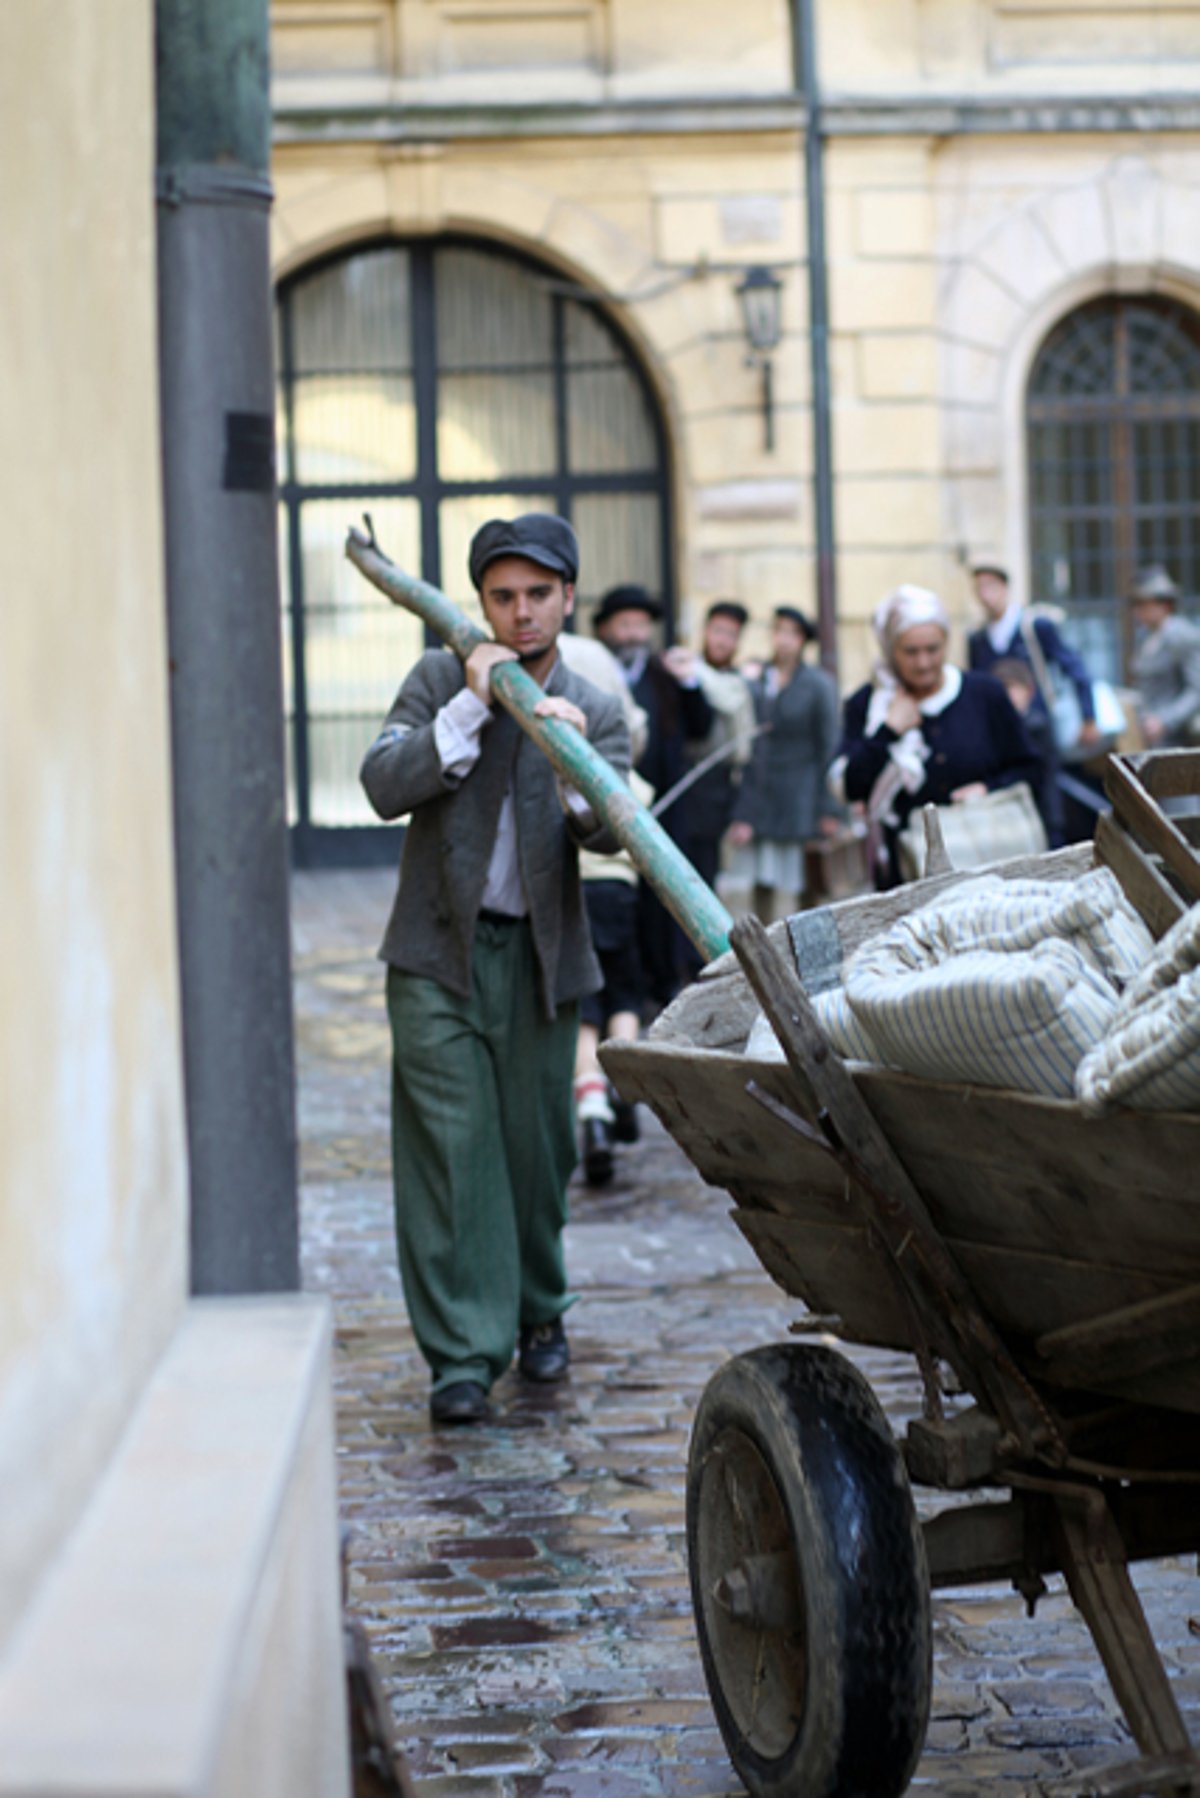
(524, 1584)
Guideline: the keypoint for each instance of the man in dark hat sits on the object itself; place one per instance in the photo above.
(667, 687)
(1166, 662)
(488, 954)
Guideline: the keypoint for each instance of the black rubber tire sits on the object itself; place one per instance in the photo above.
(791, 1452)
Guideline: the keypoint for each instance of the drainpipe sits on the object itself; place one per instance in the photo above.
(804, 69)
(222, 579)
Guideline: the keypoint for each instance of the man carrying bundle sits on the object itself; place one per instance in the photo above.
(488, 954)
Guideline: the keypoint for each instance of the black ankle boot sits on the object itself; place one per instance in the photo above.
(625, 1126)
(597, 1152)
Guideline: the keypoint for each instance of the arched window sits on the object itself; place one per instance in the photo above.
(436, 384)
(1114, 463)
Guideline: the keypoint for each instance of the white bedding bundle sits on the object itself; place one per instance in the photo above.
(1043, 986)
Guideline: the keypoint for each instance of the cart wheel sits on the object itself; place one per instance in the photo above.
(809, 1580)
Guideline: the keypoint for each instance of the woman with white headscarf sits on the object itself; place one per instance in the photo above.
(921, 730)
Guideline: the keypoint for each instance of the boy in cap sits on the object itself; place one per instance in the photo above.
(488, 954)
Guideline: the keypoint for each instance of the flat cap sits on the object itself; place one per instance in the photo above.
(538, 536)
(627, 598)
(803, 624)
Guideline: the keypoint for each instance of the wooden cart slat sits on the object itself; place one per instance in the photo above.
(1056, 1219)
(1027, 1172)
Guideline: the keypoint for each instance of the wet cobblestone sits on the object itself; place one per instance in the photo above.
(524, 1584)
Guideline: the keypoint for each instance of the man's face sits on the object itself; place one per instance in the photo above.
(787, 642)
(627, 630)
(526, 606)
(1149, 614)
(722, 635)
(992, 594)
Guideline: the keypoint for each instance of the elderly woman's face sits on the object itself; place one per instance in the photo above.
(918, 657)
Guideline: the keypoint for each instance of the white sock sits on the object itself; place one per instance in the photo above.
(591, 1100)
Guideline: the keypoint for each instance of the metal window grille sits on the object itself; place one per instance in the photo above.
(1113, 417)
(436, 384)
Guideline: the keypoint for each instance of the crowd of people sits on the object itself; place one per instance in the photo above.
(520, 939)
(752, 764)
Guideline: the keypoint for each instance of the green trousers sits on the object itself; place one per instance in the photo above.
(483, 1144)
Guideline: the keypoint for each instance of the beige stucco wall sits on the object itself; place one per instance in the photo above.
(187, 1642)
(92, 1219)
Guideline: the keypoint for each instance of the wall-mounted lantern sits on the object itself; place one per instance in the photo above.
(760, 294)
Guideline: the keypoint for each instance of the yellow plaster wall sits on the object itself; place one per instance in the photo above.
(947, 257)
(677, 45)
(950, 260)
(518, 51)
(889, 503)
(1005, 48)
(92, 1173)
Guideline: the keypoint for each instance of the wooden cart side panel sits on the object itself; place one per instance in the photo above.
(1000, 1208)
(997, 1168)
(1054, 1218)
(1027, 1294)
(1006, 1169)
(1143, 1151)
(731, 1140)
(836, 1272)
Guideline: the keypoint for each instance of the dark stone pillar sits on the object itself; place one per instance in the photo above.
(217, 405)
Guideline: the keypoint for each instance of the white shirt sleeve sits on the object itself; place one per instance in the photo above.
(458, 730)
(575, 805)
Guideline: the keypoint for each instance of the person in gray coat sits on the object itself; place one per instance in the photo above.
(784, 798)
(488, 954)
(1166, 662)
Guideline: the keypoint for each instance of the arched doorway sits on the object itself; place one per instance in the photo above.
(1113, 419)
(437, 383)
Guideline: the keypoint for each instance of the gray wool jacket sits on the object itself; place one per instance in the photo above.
(784, 792)
(448, 843)
(1166, 667)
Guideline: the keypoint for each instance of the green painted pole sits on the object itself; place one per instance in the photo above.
(686, 896)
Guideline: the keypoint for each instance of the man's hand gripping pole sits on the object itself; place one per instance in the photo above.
(685, 895)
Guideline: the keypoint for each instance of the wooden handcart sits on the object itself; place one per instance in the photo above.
(1050, 1261)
